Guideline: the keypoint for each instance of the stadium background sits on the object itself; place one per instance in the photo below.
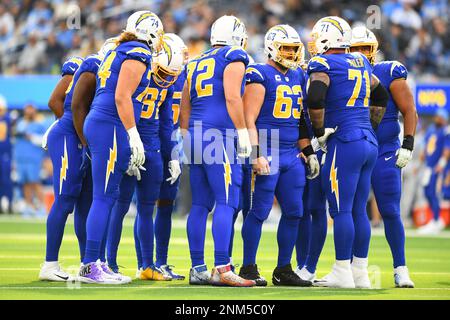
(37, 36)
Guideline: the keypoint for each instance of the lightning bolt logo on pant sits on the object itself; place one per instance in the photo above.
(226, 174)
(334, 180)
(64, 167)
(112, 160)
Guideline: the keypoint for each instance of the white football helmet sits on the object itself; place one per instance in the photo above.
(168, 63)
(363, 37)
(146, 26)
(229, 31)
(110, 44)
(282, 44)
(179, 42)
(329, 33)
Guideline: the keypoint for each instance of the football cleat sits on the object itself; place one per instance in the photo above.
(361, 277)
(93, 273)
(199, 275)
(251, 272)
(138, 273)
(339, 277)
(401, 278)
(223, 276)
(154, 273)
(114, 275)
(432, 228)
(167, 270)
(285, 276)
(304, 274)
(51, 271)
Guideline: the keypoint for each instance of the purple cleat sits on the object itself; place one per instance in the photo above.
(93, 273)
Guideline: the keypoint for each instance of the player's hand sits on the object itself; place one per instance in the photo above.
(137, 147)
(135, 171)
(323, 139)
(403, 157)
(44, 144)
(174, 170)
(261, 166)
(244, 145)
(313, 165)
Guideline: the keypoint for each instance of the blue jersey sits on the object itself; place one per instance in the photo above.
(5, 134)
(389, 129)
(155, 125)
(176, 101)
(347, 99)
(104, 104)
(205, 81)
(90, 64)
(71, 66)
(435, 138)
(283, 102)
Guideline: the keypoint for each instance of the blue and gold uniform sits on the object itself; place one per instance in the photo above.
(346, 179)
(107, 138)
(278, 129)
(446, 174)
(217, 177)
(6, 187)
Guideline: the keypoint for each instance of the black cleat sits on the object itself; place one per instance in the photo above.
(285, 276)
(250, 272)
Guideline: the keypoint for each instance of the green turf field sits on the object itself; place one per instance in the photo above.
(22, 246)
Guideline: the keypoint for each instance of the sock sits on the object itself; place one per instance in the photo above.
(118, 213)
(56, 222)
(79, 218)
(395, 236)
(163, 226)
(318, 237)
(251, 234)
(361, 241)
(96, 226)
(360, 262)
(196, 232)
(303, 239)
(145, 232)
(230, 247)
(343, 263)
(221, 230)
(286, 237)
(344, 233)
(137, 244)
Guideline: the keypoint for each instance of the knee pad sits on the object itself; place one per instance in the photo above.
(260, 213)
(65, 203)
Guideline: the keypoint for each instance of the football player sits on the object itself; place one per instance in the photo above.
(341, 86)
(6, 186)
(110, 128)
(155, 127)
(392, 157)
(273, 102)
(212, 109)
(169, 188)
(444, 166)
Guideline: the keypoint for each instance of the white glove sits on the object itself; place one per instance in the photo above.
(403, 157)
(244, 145)
(45, 137)
(137, 148)
(174, 170)
(323, 139)
(313, 165)
(135, 171)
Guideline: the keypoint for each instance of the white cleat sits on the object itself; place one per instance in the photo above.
(339, 277)
(304, 274)
(361, 277)
(51, 271)
(109, 274)
(432, 228)
(401, 278)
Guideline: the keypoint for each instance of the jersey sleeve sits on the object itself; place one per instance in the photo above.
(137, 51)
(398, 71)
(318, 64)
(90, 64)
(236, 53)
(71, 66)
(166, 127)
(254, 74)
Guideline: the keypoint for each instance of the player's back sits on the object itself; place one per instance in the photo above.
(283, 102)
(347, 99)
(205, 80)
(389, 129)
(104, 105)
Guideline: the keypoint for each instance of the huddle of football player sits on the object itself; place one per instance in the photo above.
(308, 133)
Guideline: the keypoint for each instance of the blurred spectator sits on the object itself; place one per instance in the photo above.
(54, 53)
(28, 156)
(32, 56)
(406, 16)
(6, 25)
(6, 187)
(39, 20)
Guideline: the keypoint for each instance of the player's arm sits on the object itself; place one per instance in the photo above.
(83, 95)
(56, 101)
(379, 98)
(253, 101)
(185, 109)
(308, 153)
(166, 126)
(130, 76)
(232, 81)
